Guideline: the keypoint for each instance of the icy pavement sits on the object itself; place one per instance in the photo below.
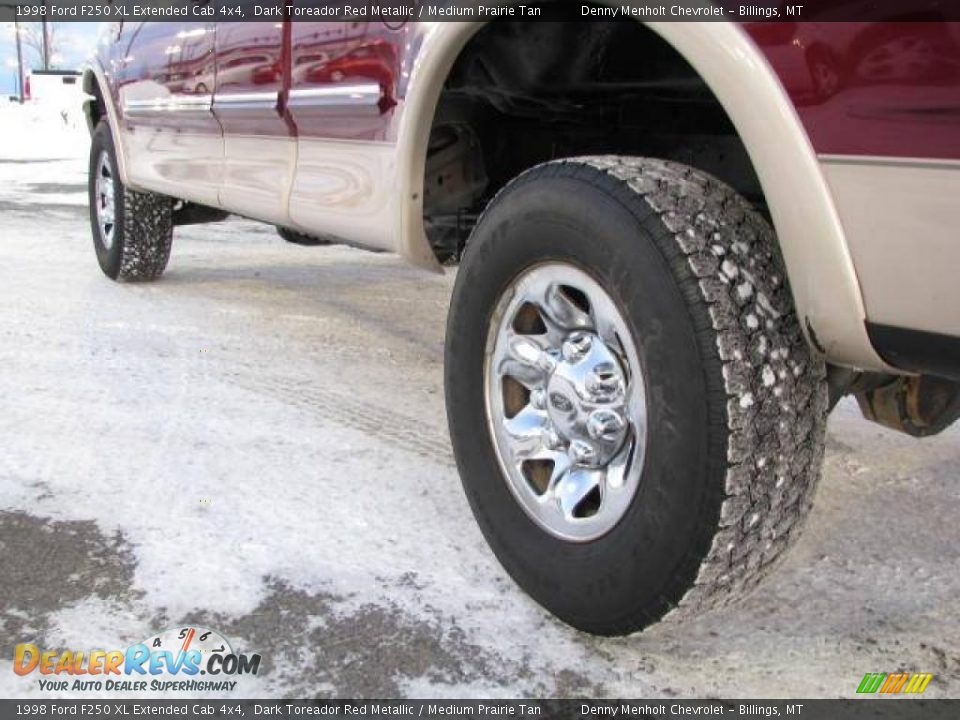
(257, 444)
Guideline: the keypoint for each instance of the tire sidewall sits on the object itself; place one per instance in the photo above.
(648, 559)
(109, 259)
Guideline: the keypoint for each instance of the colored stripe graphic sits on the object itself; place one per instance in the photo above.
(899, 680)
(889, 683)
(918, 683)
(871, 682)
(894, 683)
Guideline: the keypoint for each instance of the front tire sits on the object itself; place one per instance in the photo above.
(649, 443)
(132, 230)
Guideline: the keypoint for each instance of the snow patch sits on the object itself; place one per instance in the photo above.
(764, 302)
(730, 269)
(42, 131)
(769, 377)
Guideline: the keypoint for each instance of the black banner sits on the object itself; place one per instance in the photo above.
(865, 709)
(398, 11)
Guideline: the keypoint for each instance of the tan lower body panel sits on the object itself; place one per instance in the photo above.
(347, 189)
(900, 221)
(257, 176)
(184, 165)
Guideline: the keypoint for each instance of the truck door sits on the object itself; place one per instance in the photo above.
(343, 80)
(259, 147)
(165, 76)
(343, 93)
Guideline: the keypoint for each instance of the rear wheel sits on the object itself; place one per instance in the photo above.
(132, 231)
(299, 238)
(637, 418)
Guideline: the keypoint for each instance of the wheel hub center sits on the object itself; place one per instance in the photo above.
(585, 398)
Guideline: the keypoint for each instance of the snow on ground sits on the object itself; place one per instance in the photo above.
(257, 443)
(38, 130)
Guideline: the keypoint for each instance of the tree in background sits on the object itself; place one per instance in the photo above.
(46, 50)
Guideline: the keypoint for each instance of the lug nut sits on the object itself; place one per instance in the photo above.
(547, 362)
(576, 346)
(605, 425)
(582, 453)
(604, 383)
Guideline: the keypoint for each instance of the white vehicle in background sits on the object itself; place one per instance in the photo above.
(61, 87)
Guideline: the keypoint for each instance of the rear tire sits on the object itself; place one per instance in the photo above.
(299, 238)
(132, 230)
(735, 402)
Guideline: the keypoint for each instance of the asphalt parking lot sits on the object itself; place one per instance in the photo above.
(257, 443)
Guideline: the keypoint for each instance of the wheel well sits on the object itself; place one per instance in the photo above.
(522, 93)
(95, 108)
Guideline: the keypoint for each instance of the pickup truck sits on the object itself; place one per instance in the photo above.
(678, 245)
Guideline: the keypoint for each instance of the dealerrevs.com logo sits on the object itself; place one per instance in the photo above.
(171, 661)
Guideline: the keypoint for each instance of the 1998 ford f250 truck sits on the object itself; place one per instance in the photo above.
(679, 244)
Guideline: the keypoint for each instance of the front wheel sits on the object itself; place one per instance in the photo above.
(637, 418)
(132, 231)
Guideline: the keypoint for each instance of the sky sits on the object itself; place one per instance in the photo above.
(74, 43)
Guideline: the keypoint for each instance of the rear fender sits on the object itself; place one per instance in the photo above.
(821, 272)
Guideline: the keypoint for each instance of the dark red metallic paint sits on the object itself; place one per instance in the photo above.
(871, 88)
(340, 54)
(167, 60)
(878, 87)
(249, 60)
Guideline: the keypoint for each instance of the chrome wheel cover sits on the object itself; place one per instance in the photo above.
(104, 200)
(565, 401)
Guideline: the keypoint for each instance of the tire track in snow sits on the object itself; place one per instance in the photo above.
(404, 432)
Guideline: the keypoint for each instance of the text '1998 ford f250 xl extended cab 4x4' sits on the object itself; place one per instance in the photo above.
(679, 244)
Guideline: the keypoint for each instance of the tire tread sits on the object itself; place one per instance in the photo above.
(767, 437)
(145, 223)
